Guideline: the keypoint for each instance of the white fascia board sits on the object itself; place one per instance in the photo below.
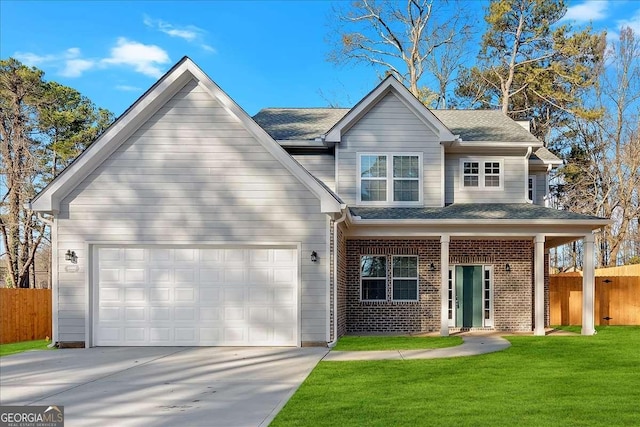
(49, 198)
(305, 143)
(493, 144)
(328, 203)
(390, 84)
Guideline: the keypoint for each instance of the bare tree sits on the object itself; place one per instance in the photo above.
(603, 174)
(400, 40)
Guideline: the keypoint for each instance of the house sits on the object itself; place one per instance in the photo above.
(190, 223)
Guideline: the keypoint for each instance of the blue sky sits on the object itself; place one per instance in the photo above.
(262, 53)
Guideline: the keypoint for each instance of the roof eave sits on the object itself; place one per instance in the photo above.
(595, 223)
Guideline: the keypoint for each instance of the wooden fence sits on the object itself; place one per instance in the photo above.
(25, 314)
(617, 300)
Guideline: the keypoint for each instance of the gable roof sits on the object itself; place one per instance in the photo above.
(164, 89)
(389, 85)
(470, 125)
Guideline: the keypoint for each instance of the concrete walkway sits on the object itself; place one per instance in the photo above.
(473, 344)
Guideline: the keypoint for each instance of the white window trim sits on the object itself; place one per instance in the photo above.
(481, 182)
(390, 180)
(416, 278)
(532, 179)
(386, 278)
(488, 323)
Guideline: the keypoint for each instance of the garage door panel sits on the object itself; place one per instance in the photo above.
(209, 295)
(134, 254)
(157, 294)
(260, 295)
(158, 314)
(185, 275)
(135, 314)
(134, 275)
(209, 314)
(196, 296)
(184, 294)
(210, 276)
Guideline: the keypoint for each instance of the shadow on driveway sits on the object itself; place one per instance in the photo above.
(153, 386)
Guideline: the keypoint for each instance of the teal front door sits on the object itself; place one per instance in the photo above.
(469, 296)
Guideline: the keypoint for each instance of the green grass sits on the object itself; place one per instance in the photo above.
(19, 347)
(538, 381)
(367, 343)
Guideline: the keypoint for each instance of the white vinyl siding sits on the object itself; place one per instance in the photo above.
(191, 175)
(511, 191)
(322, 166)
(540, 190)
(389, 127)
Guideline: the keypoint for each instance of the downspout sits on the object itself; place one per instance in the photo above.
(526, 176)
(54, 273)
(345, 212)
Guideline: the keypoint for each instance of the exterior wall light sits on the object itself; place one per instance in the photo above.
(314, 256)
(432, 267)
(71, 256)
(507, 268)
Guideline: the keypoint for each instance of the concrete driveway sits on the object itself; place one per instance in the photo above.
(159, 386)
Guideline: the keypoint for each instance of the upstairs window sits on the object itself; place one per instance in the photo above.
(390, 179)
(482, 174)
(532, 187)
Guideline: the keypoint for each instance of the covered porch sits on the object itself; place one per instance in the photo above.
(503, 249)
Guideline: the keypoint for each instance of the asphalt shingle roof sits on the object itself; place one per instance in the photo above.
(472, 211)
(471, 125)
(546, 156)
(298, 123)
(484, 125)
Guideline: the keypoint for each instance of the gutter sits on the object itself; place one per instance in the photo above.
(345, 213)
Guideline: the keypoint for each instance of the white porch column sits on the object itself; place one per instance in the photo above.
(444, 285)
(588, 285)
(539, 284)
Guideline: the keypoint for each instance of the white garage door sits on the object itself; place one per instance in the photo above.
(168, 296)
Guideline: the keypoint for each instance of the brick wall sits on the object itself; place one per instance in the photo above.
(512, 290)
(394, 316)
(342, 282)
(341, 278)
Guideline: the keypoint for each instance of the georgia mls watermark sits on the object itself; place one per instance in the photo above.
(31, 416)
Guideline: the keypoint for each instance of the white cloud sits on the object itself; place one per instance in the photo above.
(613, 34)
(144, 59)
(75, 67)
(633, 23)
(32, 59)
(68, 62)
(591, 10)
(189, 33)
(127, 88)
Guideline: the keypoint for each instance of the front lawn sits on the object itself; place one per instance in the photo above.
(19, 347)
(538, 381)
(363, 343)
